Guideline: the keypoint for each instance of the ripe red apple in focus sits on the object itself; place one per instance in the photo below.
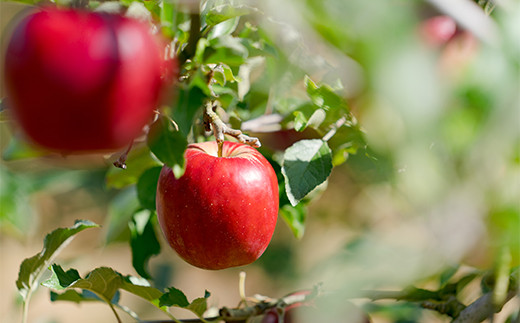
(222, 212)
(79, 81)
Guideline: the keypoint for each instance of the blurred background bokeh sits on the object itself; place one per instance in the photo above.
(437, 186)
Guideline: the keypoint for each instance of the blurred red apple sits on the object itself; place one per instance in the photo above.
(222, 212)
(438, 30)
(316, 311)
(79, 81)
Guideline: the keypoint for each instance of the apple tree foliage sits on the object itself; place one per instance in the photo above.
(437, 142)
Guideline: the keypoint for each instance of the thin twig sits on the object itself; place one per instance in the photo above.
(194, 36)
(121, 161)
(213, 121)
(335, 128)
(242, 288)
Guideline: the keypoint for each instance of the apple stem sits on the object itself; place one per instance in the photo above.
(242, 287)
(79, 4)
(121, 161)
(213, 121)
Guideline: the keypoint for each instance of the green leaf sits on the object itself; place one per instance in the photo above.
(167, 17)
(295, 216)
(190, 100)
(102, 281)
(138, 160)
(31, 2)
(447, 274)
(175, 297)
(200, 80)
(140, 287)
(222, 13)
(323, 95)
(168, 144)
(32, 268)
(105, 283)
(219, 77)
(413, 294)
(143, 241)
(61, 278)
(306, 164)
(199, 305)
(72, 295)
(224, 28)
(147, 187)
(226, 49)
(326, 108)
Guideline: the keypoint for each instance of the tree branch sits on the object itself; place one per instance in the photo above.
(482, 308)
(263, 304)
(213, 121)
(121, 161)
(191, 47)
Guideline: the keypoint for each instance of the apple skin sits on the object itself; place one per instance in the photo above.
(438, 30)
(222, 212)
(316, 310)
(79, 81)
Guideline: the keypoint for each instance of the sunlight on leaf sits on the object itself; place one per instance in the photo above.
(306, 165)
(32, 268)
(168, 144)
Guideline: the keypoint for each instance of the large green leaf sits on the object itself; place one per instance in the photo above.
(104, 282)
(75, 296)
(190, 100)
(294, 216)
(71, 295)
(138, 160)
(143, 241)
(147, 187)
(224, 28)
(221, 13)
(175, 297)
(226, 49)
(32, 268)
(325, 108)
(168, 144)
(141, 288)
(306, 164)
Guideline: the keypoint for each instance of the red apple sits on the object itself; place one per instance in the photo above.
(222, 212)
(317, 310)
(81, 81)
(438, 30)
(272, 315)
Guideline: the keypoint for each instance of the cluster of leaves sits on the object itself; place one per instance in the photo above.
(101, 284)
(105, 284)
(225, 57)
(228, 50)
